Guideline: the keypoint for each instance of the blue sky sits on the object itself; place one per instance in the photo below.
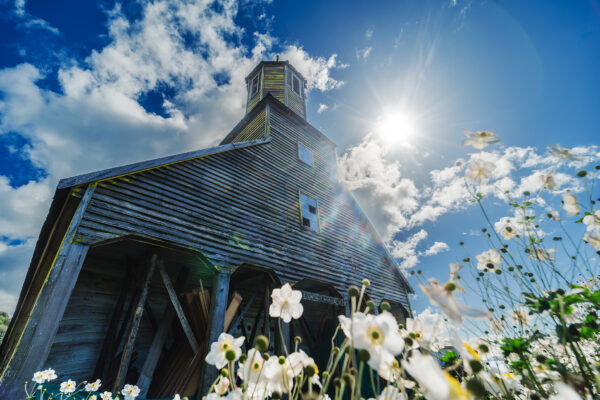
(77, 78)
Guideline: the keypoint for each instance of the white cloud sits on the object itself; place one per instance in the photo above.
(29, 21)
(436, 248)
(322, 107)
(13, 258)
(369, 34)
(407, 249)
(179, 45)
(363, 53)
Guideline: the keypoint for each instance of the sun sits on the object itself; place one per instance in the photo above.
(396, 127)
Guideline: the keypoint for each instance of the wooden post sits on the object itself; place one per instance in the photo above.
(216, 323)
(135, 324)
(175, 301)
(42, 325)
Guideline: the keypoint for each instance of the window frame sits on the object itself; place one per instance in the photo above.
(317, 215)
(293, 76)
(257, 79)
(312, 158)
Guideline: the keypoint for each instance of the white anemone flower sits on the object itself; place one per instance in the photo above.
(480, 139)
(433, 382)
(592, 221)
(489, 260)
(444, 298)
(299, 360)
(222, 385)
(564, 392)
(423, 333)
(391, 393)
(218, 349)
(176, 397)
(106, 396)
(68, 386)
(378, 334)
(563, 153)
(253, 375)
(479, 171)
(548, 182)
(280, 378)
(93, 387)
(539, 254)
(454, 270)
(50, 374)
(286, 303)
(39, 377)
(593, 240)
(507, 228)
(570, 204)
(130, 392)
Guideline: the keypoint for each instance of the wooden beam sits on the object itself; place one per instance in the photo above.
(218, 307)
(177, 306)
(42, 325)
(135, 324)
(236, 300)
(159, 340)
(241, 316)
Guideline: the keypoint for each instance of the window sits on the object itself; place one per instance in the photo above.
(295, 82)
(304, 154)
(309, 213)
(254, 85)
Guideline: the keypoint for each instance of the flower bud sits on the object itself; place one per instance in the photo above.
(243, 358)
(581, 173)
(370, 305)
(266, 356)
(363, 355)
(297, 340)
(348, 379)
(366, 282)
(261, 343)
(281, 360)
(450, 286)
(224, 373)
(337, 382)
(275, 395)
(476, 366)
(309, 370)
(230, 355)
(385, 306)
(353, 291)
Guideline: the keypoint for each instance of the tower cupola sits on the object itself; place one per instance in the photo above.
(280, 79)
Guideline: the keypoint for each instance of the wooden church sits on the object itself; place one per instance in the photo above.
(139, 268)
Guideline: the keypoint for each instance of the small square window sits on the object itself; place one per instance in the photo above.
(309, 213)
(305, 154)
(295, 83)
(254, 85)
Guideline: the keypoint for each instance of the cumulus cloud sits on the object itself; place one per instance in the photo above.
(436, 248)
(322, 107)
(186, 54)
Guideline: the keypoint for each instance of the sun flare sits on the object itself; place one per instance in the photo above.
(396, 127)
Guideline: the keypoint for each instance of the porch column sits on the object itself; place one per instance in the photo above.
(216, 324)
(42, 325)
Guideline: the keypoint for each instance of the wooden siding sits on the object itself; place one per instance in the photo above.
(253, 101)
(296, 102)
(274, 76)
(242, 206)
(256, 129)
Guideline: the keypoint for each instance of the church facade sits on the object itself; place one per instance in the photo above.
(140, 262)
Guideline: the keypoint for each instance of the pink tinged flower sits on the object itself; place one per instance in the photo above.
(286, 303)
(570, 204)
(68, 386)
(489, 261)
(539, 254)
(592, 221)
(222, 386)
(548, 182)
(479, 171)
(593, 240)
(480, 139)
(443, 297)
(563, 153)
(218, 349)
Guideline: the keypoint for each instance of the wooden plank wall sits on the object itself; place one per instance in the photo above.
(296, 102)
(252, 102)
(274, 76)
(254, 130)
(242, 206)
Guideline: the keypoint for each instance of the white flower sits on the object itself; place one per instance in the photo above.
(391, 393)
(235, 395)
(593, 240)
(106, 396)
(480, 139)
(50, 374)
(564, 392)
(422, 333)
(176, 397)
(454, 270)
(222, 386)
(378, 334)
(130, 392)
(570, 204)
(563, 153)
(435, 383)
(93, 387)
(68, 386)
(539, 254)
(39, 377)
(521, 316)
(554, 215)
(548, 182)
(218, 349)
(93, 397)
(299, 360)
(286, 303)
(444, 298)
(213, 396)
(507, 228)
(489, 260)
(280, 378)
(252, 373)
(479, 171)
(592, 221)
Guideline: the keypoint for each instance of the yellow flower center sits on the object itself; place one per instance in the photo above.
(256, 365)
(471, 351)
(225, 345)
(510, 375)
(456, 391)
(375, 335)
